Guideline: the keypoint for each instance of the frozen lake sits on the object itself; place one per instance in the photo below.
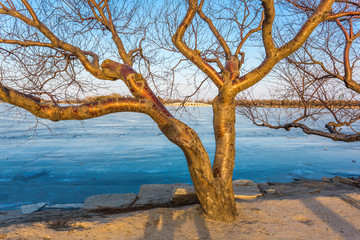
(64, 162)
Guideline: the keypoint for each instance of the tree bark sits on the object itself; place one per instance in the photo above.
(224, 129)
(214, 200)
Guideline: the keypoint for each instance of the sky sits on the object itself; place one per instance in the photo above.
(100, 42)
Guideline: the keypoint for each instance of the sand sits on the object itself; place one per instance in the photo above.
(306, 216)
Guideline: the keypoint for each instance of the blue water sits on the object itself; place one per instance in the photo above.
(64, 162)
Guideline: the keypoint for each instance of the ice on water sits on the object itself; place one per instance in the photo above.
(119, 152)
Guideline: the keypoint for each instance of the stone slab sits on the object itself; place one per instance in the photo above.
(106, 201)
(246, 189)
(7, 215)
(67, 206)
(30, 208)
(293, 190)
(156, 194)
(244, 182)
(183, 195)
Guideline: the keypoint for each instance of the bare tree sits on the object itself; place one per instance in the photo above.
(322, 78)
(50, 48)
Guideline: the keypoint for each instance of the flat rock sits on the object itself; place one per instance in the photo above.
(105, 201)
(67, 206)
(246, 189)
(30, 208)
(156, 194)
(348, 181)
(325, 179)
(263, 186)
(4, 216)
(271, 191)
(183, 195)
(293, 190)
(243, 182)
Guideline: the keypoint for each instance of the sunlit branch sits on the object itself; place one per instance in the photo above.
(56, 42)
(347, 78)
(134, 81)
(107, 22)
(31, 11)
(331, 126)
(349, 38)
(342, 14)
(274, 55)
(354, 3)
(242, 59)
(26, 43)
(302, 7)
(190, 54)
(196, 90)
(133, 52)
(82, 111)
(267, 24)
(213, 29)
(10, 3)
(252, 31)
(318, 16)
(336, 136)
(303, 68)
(215, 60)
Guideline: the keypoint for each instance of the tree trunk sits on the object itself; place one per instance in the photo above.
(224, 130)
(214, 200)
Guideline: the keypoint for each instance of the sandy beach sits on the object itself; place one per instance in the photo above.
(325, 214)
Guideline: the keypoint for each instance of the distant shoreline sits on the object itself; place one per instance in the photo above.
(298, 104)
(247, 103)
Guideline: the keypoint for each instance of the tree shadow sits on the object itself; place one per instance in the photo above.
(351, 201)
(343, 227)
(162, 224)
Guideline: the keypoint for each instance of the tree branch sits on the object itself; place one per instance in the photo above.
(342, 14)
(82, 111)
(190, 54)
(134, 81)
(269, 16)
(355, 3)
(31, 11)
(57, 43)
(213, 29)
(215, 60)
(249, 34)
(274, 55)
(319, 15)
(26, 43)
(349, 38)
(336, 136)
(109, 25)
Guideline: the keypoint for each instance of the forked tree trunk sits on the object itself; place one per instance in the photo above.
(213, 186)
